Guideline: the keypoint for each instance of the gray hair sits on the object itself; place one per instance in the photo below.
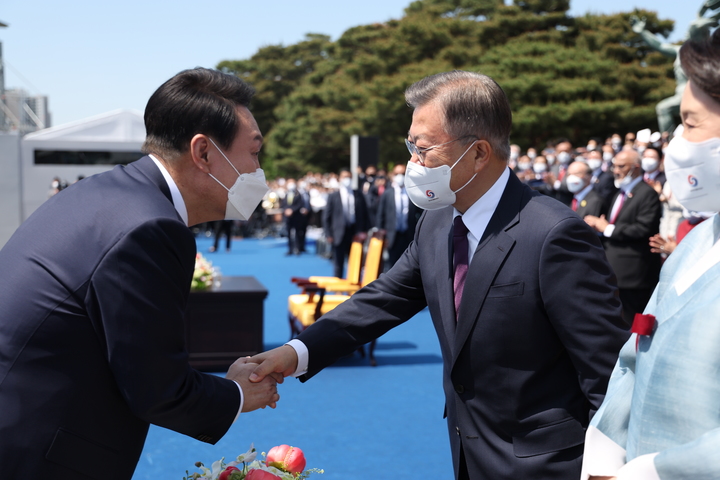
(473, 105)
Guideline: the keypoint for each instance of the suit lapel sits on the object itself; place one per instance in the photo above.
(489, 256)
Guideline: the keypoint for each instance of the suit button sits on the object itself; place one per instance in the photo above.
(459, 388)
(457, 429)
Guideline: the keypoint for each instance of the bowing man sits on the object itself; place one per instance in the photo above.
(91, 326)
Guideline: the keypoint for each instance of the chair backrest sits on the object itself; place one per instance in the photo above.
(374, 257)
(355, 258)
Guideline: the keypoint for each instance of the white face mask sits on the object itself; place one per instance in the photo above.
(540, 167)
(594, 163)
(641, 149)
(650, 164)
(563, 157)
(524, 166)
(245, 194)
(607, 156)
(399, 179)
(623, 182)
(346, 182)
(693, 170)
(550, 159)
(575, 183)
(532, 155)
(429, 188)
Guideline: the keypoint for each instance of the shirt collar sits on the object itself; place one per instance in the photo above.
(583, 193)
(177, 198)
(477, 217)
(629, 187)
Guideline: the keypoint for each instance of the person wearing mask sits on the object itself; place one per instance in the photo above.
(564, 155)
(653, 174)
(525, 363)
(542, 180)
(660, 419)
(398, 216)
(586, 201)
(602, 178)
(296, 210)
(634, 216)
(345, 215)
(92, 329)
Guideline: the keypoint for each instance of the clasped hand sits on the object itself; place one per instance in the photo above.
(258, 376)
(258, 394)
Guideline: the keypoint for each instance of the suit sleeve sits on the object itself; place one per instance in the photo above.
(647, 221)
(580, 295)
(390, 300)
(136, 301)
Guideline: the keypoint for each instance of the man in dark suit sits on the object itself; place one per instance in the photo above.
(398, 216)
(345, 215)
(296, 209)
(525, 306)
(634, 217)
(91, 325)
(585, 200)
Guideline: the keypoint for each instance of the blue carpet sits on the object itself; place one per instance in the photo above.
(354, 421)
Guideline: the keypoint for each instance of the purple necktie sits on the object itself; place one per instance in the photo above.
(460, 257)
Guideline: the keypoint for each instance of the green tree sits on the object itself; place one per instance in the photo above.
(573, 77)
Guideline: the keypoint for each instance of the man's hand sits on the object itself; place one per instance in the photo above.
(279, 361)
(598, 223)
(257, 394)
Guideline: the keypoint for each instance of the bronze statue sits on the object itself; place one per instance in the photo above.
(668, 109)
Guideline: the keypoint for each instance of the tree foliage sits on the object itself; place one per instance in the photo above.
(577, 77)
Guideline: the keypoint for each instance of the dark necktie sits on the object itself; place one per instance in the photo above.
(460, 257)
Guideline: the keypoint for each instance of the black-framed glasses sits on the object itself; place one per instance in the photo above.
(420, 151)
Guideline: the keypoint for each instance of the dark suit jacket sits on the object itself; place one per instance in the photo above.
(300, 200)
(539, 329)
(333, 218)
(627, 249)
(92, 338)
(387, 215)
(592, 204)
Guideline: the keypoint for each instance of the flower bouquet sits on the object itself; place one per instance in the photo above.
(281, 463)
(203, 275)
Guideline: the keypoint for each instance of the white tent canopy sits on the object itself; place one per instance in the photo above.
(116, 131)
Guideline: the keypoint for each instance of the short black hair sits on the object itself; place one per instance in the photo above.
(701, 62)
(194, 101)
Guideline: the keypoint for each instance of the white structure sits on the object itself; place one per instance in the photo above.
(68, 151)
(25, 112)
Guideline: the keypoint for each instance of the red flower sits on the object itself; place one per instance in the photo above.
(287, 458)
(261, 475)
(226, 474)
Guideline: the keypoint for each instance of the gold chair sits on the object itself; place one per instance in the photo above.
(355, 260)
(305, 308)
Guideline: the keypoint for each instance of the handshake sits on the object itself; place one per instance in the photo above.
(258, 376)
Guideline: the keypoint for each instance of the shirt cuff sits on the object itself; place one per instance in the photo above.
(609, 230)
(639, 468)
(242, 401)
(602, 457)
(303, 356)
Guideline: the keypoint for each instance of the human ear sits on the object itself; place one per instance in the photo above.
(199, 148)
(482, 152)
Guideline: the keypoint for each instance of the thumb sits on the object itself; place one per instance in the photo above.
(260, 372)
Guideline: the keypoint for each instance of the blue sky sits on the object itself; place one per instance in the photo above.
(92, 57)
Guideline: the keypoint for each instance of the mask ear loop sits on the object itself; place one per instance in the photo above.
(228, 160)
(458, 160)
